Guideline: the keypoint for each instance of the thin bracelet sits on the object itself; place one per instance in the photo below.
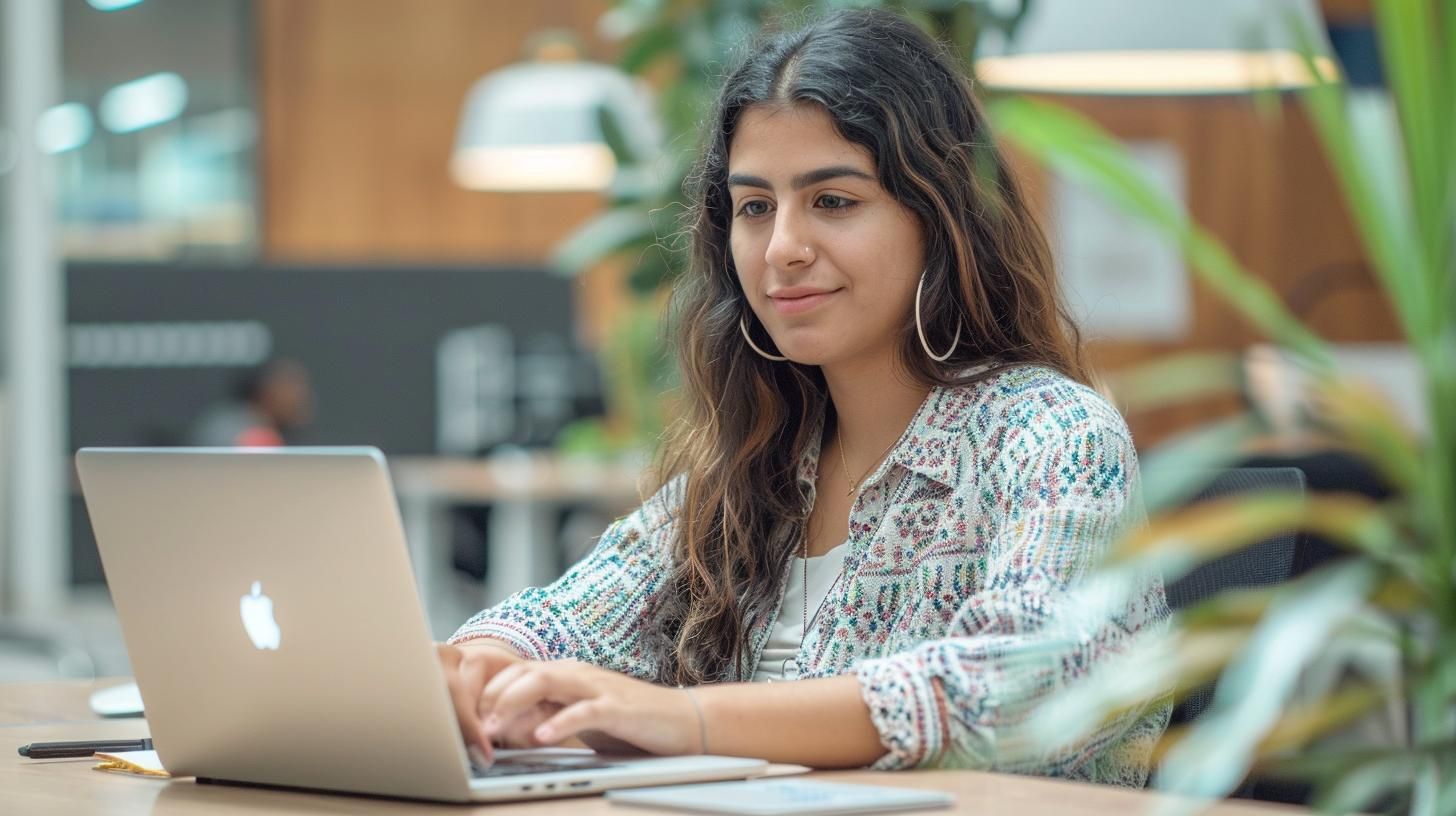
(702, 723)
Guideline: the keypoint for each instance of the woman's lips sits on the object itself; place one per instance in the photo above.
(799, 305)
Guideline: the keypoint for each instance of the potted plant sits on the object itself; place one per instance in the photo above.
(1394, 597)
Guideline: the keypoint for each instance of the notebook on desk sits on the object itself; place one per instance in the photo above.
(271, 616)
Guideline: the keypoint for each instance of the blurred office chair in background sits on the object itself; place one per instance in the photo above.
(475, 390)
(1264, 563)
(499, 394)
(1261, 564)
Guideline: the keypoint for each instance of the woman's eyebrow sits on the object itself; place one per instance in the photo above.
(803, 180)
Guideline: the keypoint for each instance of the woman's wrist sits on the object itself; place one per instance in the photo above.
(492, 643)
(702, 722)
(822, 722)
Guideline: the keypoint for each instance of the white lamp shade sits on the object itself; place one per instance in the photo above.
(536, 126)
(1156, 47)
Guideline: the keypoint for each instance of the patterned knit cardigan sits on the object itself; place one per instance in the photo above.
(953, 609)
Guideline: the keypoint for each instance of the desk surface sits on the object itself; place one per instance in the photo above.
(38, 712)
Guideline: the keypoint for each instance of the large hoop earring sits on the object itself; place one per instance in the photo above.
(744, 328)
(920, 328)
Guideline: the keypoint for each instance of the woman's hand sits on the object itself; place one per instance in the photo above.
(534, 703)
(468, 667)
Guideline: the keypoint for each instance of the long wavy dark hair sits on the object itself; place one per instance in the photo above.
(745, 420)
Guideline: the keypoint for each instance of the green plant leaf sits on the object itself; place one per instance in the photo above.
(1359, 787)
(1176, 379)
(616, 230)
(1221, 745)
(1325, 763)
(1406, 31)
(1157, 665)
(1233, 607)
(1317, 718)
(1246, 606)
(1182, 539)
(652, 270)
(1364, 421)
(1446, 797)
(1388, 236)
(1446, 258)
(615, 139)
(1177, 469)
(648, 46)
(1297, 729)
(1427, 789)
(1193, 651)
(1176, 542)
(1434, 692)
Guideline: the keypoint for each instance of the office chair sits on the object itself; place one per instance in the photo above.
(1264, 563)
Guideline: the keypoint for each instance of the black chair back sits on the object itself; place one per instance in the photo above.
(1261, 564)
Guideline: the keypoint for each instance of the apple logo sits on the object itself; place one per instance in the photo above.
(257, 611)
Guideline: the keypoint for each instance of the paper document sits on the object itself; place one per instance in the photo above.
(145, 763)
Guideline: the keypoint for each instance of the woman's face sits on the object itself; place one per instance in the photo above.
(827, 259)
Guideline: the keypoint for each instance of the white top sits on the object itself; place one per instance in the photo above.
(782, 649)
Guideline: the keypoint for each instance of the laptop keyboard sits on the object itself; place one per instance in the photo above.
(511, 767)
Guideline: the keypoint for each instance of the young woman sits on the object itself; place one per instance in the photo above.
(890, 473)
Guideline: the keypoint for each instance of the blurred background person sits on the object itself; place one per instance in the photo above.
(268, 405)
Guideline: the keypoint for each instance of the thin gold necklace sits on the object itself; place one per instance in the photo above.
(853, 482)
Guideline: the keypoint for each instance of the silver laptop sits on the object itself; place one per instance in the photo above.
(273, 624)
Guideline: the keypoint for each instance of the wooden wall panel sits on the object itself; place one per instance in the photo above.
(360, 100)
(1262, 185)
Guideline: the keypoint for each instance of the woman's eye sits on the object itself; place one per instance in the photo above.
(753, 208)
(834, 202)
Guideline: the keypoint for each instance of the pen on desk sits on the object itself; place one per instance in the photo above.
(59, 750)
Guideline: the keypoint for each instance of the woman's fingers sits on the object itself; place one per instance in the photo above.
(520, 731)
(485, 703)
(512, 695)
(464, 679)
(516, 706)
(546, 703)
(583, 715)
(522, 694)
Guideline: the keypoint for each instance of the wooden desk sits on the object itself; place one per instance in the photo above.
(70, 786)
(56, 701)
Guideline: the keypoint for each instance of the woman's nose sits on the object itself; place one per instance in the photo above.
(790, 245)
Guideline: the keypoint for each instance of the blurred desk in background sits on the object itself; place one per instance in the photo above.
(525, 490)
